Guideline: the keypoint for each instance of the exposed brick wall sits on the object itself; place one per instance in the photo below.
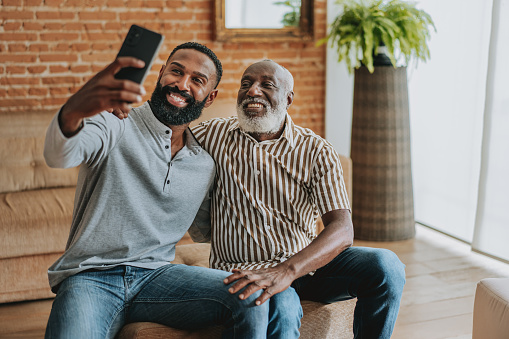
(49, 48)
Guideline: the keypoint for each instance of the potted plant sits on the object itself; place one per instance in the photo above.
(382, 206)
(365, 25)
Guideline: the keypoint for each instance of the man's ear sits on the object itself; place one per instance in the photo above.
(161, 71)
(210, 99)
(289, 99)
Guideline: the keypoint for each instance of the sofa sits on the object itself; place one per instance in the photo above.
(36, 204)
(491, 309)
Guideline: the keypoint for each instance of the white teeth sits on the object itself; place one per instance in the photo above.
(177, 98)
(255, 105)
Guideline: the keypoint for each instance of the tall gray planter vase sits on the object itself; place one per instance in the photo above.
(382, 208)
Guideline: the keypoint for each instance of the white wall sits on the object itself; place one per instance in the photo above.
(338, 95)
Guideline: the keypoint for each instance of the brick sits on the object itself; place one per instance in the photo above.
(12, 103)
(19, 81)
(312, 53)
(13, 48)
(38, 91)
(80, 68)
(59, 36)
(58, 69)
(54, 3)
(12, 26)
(95, 3)
(61, 47)
(18, 37)
(15, 69)
(73, 26)
(60, 80)
(105, 58)
(134, 3)
(36, 69)
(137, 16)
(16, 15)
(93, 26)
(59, 91)
(200, 37)
(38, 48)
(80, 46)
(30, 3)
(58, 57)
(15, 3)
(204, 16)
(53, 26)
(101, 15)
(115, 3)
(243, 55)
(33, 26)
(182, 16)
(53, 102)
(155, 3)
(115, 26)
(196, 4)
(43, 15)
(17, 92)
(18, 58)
(102, 36)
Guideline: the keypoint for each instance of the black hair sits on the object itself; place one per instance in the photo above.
(205, 50)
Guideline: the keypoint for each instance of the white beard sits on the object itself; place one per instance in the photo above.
(269, 123)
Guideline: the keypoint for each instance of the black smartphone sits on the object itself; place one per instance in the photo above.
(143, 44)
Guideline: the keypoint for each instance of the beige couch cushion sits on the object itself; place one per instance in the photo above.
(25, 278)
(22, 165)
(35, 222)
(491, 309)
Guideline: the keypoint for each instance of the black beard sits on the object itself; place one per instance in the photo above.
(169, 114)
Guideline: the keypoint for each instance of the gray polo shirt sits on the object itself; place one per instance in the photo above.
(133, 201)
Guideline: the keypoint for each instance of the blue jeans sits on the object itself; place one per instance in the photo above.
(374, 276)
(96, 304)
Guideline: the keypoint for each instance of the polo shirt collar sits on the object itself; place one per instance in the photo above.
(161, 128)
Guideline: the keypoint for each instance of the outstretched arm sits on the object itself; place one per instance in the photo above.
(334, 239)
(101, 93)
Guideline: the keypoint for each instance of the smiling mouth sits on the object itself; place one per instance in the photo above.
(176, 100)
(255, 105)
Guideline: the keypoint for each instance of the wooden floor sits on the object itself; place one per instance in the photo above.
(437, 303)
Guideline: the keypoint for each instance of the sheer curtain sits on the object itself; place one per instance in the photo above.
(459, 113)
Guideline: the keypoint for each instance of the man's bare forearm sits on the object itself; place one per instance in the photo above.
(334, 239)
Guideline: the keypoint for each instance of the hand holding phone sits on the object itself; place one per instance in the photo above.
(143, 44)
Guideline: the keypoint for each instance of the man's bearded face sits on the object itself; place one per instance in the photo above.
(169, 114)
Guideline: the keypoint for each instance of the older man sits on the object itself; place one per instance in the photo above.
(274, 179)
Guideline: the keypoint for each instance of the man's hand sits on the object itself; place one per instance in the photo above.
(120, 114)
(272, 280)
(102, 93)
(334, 239)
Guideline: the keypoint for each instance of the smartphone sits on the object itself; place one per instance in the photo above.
(143, 44)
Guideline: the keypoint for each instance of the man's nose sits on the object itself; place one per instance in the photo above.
(183, 83)
(254, 91)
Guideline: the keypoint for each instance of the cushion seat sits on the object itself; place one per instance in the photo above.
(319, 320)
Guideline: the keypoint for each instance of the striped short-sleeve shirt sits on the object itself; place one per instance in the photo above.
(268, 194)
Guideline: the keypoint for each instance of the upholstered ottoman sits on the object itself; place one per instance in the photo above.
(491, 309)
(319, 320)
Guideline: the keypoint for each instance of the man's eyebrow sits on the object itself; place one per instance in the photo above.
(195, 72)
(265, 77)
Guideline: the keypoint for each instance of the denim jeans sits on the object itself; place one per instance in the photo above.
(96, 304)
(374, 276)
